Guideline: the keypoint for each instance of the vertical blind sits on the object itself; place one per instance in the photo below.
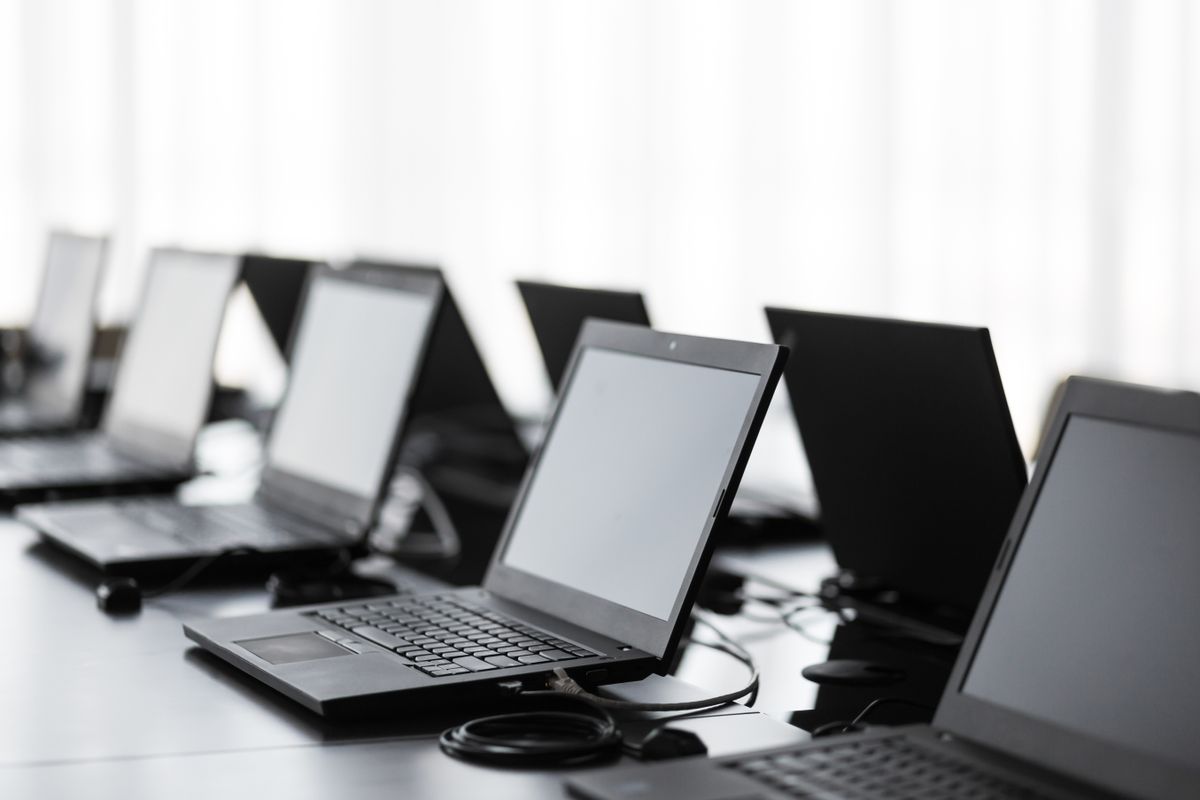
(1027, 165)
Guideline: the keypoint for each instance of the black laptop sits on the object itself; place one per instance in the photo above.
(913, 455)
(596, 570)
(1078, 677)
(160, 396)
(557, 314)
(59, 339)
(277, 287)
(357, 349)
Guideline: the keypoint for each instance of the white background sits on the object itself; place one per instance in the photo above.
(1024, 164)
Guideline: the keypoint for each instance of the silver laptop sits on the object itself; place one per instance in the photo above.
(59, 338)
(1078, 676)
(599, 561)
(355, 358)
(160, 396)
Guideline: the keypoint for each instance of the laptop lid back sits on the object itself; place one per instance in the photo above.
(164, 379)
(355, 357)
(276, 286)
(912, 450)
(642, 455)
(64, 322)
(1082, 656)
(557, 314)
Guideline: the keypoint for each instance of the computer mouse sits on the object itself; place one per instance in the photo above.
(119, 596)
(663, 743)
(853, 672)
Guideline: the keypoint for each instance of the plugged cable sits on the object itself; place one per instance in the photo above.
(856, 724)
(562, 738)
(122, 595)
(195, 571)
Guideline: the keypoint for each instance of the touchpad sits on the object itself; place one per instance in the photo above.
(293, 647)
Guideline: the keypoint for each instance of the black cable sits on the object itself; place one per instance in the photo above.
(562, 682)
(563, 738)
(195, 570)
(841, 726)
(536, 738)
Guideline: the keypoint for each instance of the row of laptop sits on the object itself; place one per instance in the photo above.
(1074, 679)
(860, 391)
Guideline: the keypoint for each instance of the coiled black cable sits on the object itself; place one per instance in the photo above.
(536, 738)
(547, 738)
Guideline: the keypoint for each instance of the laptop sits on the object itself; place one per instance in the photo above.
(913, 455)
(357, 349)
(59, 339)
(1078, 676)
(597, 567)
(557, 313)
(160, 395)
(277, 287)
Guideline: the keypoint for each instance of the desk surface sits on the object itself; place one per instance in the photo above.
(99, 706)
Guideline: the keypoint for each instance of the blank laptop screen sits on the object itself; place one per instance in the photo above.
(354, 359)
(165, 374)
(628, 476)
(1095, 628)
(62, 326)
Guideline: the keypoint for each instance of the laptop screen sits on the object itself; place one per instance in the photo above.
(164, 377)
(354, 358)
(628, 475)
(62, 326)
(1093, 629)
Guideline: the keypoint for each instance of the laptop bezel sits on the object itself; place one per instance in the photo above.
(650, 634)
(337, 508)
(538, 295)
(147, 441)
(70, 403)
(1068, 751)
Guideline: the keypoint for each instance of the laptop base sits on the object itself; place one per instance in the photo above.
(12, 497)
(112, 541)
(904, 763)
(326, 668)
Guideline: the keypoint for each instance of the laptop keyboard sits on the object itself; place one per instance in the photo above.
(444, 636)
(67, 457)
(222, 526)
(877, 768)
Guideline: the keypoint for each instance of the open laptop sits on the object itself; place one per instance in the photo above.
(357, 349)
(160, 396)
(557, 314)
(1078, 676)
(913, 455)
(596, 569)
(59, 339)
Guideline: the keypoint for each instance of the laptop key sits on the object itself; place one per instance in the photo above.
(502, 661)
(474, 664)
(555, 655)
(379, 637)
(532, 658)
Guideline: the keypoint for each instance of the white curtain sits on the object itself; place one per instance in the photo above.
(1029, 165)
